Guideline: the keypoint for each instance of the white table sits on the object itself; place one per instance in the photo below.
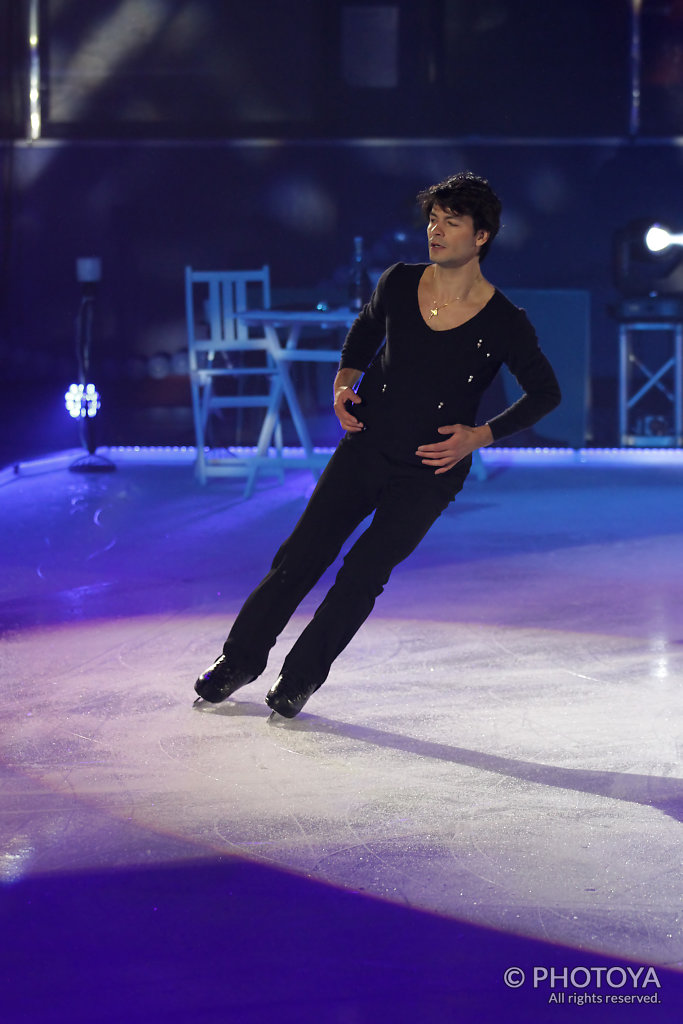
(283, 328)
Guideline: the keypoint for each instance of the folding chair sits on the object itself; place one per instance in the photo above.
(221, 346)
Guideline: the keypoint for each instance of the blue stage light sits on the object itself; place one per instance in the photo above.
(82, 400)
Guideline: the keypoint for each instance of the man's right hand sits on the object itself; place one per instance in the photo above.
(344, 384)
(342, 395)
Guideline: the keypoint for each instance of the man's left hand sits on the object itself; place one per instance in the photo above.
(462, 442)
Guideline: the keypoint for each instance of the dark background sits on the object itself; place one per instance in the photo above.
(231, 135)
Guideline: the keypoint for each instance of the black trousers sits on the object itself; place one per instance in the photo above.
(358, 480)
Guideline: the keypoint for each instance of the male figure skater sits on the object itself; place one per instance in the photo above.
(424, 349)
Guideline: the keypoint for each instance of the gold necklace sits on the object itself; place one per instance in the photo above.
(434, 310)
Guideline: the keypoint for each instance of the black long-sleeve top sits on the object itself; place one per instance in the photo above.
(421, 379)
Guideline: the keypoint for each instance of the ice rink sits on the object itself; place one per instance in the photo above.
(490, 780)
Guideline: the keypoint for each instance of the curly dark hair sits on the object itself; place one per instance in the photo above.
(466, 193)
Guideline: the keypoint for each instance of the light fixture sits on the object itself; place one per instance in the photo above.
(82, 399)
(659, 238)
(648, 260)
(34, 78)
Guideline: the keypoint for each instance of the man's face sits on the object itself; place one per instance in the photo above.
(452, 239)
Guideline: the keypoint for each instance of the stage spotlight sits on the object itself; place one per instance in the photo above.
(647, 260)
(659, 238)
(82, 400)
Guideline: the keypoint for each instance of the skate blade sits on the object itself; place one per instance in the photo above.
(275, 719)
